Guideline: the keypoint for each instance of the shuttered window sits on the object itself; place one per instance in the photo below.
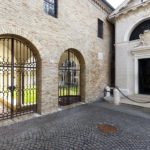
(100, 29)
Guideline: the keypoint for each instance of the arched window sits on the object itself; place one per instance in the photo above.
(140, 30)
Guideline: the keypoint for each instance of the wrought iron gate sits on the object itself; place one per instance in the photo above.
(69, 79)
(17, 78)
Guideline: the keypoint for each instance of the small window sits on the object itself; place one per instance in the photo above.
(50, 7)
(100, 29)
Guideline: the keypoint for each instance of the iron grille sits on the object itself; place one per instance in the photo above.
(17, 78)
(69, 78)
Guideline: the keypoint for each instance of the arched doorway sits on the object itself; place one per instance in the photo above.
(18, 77)
(70, 78)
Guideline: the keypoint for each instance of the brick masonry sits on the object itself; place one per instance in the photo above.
(75, 27)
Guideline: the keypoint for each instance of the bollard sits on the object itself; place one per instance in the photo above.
(116, 97)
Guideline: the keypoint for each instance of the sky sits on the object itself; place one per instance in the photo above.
(115, 3)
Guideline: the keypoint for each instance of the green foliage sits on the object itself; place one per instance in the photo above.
(65, 91)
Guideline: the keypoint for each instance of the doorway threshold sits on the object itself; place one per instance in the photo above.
(142, 100)
(60, 108)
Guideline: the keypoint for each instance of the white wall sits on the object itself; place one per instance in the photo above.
(125, 60)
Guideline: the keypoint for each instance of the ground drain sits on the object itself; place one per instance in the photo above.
(107, 129)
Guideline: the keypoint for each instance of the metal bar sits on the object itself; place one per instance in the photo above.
(7, 72)
(34, 99)
(64, 86)
(17, 73)
(68, 72)
(27, 95)
(69, 69)
(3, 74)
(30, 55)
(77, 83)
(16, 52)
(20, 63)
(22, 74)
(12, 77)
(17, 66)
(36, 85)
(32, 75)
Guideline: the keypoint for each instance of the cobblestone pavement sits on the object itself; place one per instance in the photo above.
(76, 129)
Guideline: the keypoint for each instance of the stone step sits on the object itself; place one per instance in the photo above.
(138, 98)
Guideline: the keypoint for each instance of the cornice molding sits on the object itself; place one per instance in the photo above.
(124, 10)
(107, 8)
(141, 50)
(144, 46)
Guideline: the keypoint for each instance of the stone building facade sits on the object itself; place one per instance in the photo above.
(132, 45)
(75, 28)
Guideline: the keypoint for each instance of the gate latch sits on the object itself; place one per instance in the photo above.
(11, 88)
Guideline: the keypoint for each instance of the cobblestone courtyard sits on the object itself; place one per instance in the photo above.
(76, 129)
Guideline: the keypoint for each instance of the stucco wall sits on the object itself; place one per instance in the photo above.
(126, 67)
(75, 27)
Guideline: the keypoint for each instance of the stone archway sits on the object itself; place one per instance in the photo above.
(18, 76)
(71, 84)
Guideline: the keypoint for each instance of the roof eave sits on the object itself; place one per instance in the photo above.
(108, 4)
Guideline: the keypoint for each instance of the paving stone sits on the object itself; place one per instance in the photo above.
(76, 129)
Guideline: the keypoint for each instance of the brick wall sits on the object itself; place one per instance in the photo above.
(75, 27)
